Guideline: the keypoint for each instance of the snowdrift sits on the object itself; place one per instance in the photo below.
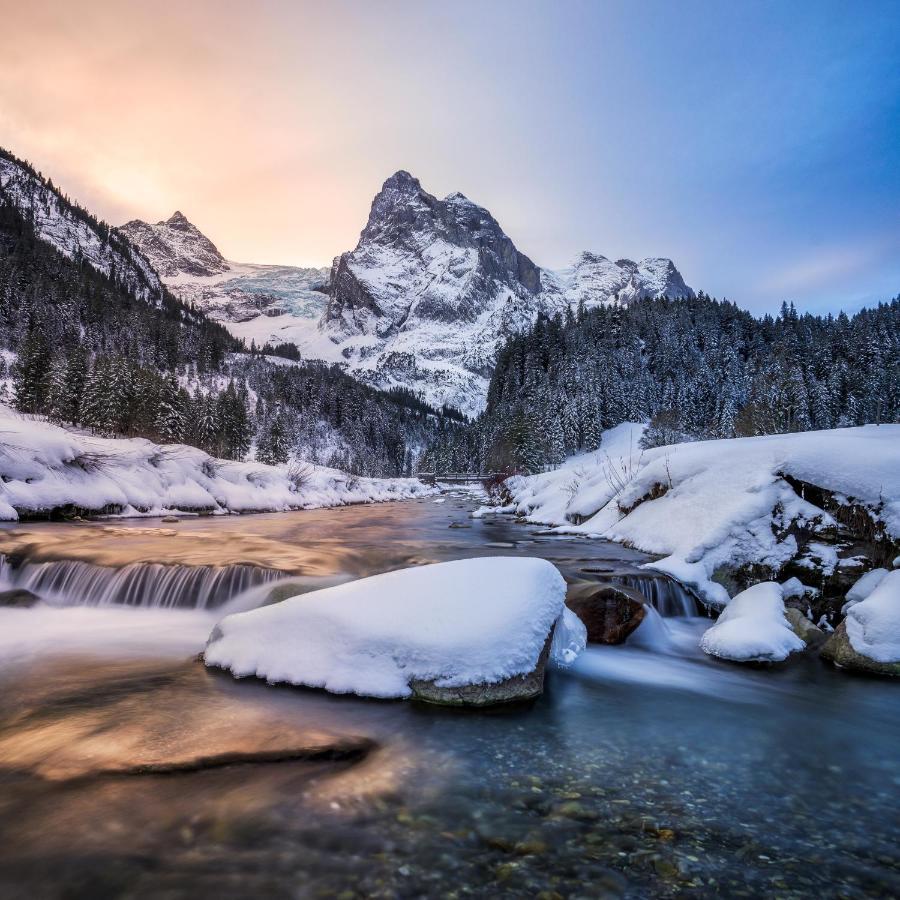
(45, 468)
(752, 628)
(452, 625)
(712, 503)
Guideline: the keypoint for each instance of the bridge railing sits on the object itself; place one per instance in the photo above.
(456, 477)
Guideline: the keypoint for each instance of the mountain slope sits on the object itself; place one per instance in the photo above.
(73, 231)
(423, 302)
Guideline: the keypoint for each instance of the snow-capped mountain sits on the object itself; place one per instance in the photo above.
(434, 287)
(424, 300)
(235, 293)
(72, 230)
(594, 279)
(176, 247)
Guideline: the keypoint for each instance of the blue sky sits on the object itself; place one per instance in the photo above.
(757, 144)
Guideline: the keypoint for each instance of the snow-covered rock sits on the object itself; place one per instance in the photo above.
(863, 587)
(72, 231)
(712, 504)
(262, 303)
(45, 468)
(175, 246)
(753, 628)
(469, 631)
(868, 639)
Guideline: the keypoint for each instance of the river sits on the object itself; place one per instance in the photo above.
(129, 770)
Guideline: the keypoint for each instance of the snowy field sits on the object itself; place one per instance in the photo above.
(712, 503)
(44, 467)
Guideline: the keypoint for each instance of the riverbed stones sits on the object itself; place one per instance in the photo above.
(609, 612)
(840, 651)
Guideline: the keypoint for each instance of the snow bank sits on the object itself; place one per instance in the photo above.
(701, 505)
(44, 467)
(752, 628)
(873, 624)
(472, 621)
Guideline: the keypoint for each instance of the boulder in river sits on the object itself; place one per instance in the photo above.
(610, 612)
(809, 633)
(469, 632)
(868, 640)
(18, 597)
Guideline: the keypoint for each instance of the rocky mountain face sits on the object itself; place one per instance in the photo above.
(176, 247)
(424, 300)
(234, 293)
(434, 287)
(594, 280)
(73, 231)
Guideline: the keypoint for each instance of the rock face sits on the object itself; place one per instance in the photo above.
(435, 286)
(839, 651)
(609, 613)
(175, 247)
(594, 280)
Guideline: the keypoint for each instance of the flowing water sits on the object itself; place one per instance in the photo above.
(647, 770)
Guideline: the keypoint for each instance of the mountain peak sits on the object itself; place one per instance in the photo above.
(402, 180)
(177, 220)
(175, 246)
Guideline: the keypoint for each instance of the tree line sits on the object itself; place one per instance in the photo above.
(696, 369)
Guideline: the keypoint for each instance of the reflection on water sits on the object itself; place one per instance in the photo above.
(645, 771)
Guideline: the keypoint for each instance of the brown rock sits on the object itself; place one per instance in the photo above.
(839, 651)
(810, 634)
(610, 613)
(510, 690)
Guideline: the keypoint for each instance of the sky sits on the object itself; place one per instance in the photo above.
(756, 144)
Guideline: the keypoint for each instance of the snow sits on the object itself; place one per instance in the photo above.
(873, 624)
(44, 467)
(715, 503)
(794, 587)
(72, 235)
(752, 627)
(471, 621)
(863, 587)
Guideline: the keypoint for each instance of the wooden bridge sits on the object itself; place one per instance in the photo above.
(454, 477)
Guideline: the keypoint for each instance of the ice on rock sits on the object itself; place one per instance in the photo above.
(454, 624)
(752, 628)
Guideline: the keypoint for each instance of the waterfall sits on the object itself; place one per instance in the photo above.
(669, 598)
(75, 583)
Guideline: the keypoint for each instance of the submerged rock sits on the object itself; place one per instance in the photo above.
(609, 613)
(18, 597)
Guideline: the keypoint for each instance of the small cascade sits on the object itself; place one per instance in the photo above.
(669, 598)
(150, 585)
